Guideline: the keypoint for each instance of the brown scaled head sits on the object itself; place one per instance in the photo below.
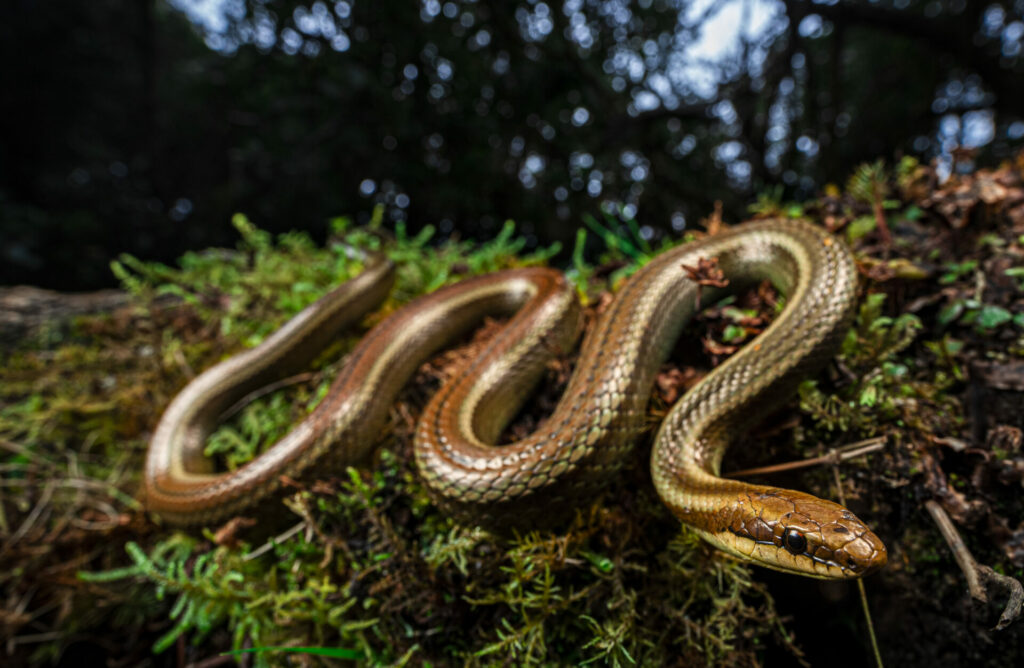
(797, 533)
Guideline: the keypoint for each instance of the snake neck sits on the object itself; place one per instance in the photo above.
(782, 529)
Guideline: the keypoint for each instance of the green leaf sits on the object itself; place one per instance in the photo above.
(1018, 273)
(913, 212)
(601, 562)
(950, 312)
(991, 239)
(734, 333)
(993, 316)
(955, 271)
(860, 227)
(869, 396)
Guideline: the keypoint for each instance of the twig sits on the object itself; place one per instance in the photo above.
(26, 452)
(215, 661)
(834, 456)
(26, 526)
(19, 609)
(878, 208)
(960, 551)
(34, 638)
(112, 520)
(276, 540)
(264, 391)
(974, 572)
(80, 483)
(179, 357)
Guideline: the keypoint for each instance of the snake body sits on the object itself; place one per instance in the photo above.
(597, 421)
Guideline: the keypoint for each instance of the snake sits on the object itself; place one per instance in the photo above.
(594, 427)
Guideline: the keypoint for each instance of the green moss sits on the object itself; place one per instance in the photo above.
(887, 389)
(372, 566)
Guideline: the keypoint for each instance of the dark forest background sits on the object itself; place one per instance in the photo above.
(142, 126)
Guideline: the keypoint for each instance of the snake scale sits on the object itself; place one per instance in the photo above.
(595, 424)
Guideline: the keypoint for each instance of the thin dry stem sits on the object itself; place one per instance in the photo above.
(976, 573)
(833, 457)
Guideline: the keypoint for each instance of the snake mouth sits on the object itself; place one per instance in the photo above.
(811, 564)
(814, 562)
(796, 533)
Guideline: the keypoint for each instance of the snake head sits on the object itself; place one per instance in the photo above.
(797, 533)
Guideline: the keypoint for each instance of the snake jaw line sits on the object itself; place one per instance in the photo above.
(802, 534)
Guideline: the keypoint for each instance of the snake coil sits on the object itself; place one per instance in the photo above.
(598, 420)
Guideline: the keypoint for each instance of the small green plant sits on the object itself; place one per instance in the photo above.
(869, 182)
(886, 389)
(985, 318)
(1018, 274)
(958, 270)
(770, 204)
(635, 246)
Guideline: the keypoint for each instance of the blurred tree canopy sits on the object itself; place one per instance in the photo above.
(142, 126)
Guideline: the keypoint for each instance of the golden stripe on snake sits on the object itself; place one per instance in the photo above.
(594, 426)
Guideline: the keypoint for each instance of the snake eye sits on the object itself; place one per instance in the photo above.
(794, 541)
